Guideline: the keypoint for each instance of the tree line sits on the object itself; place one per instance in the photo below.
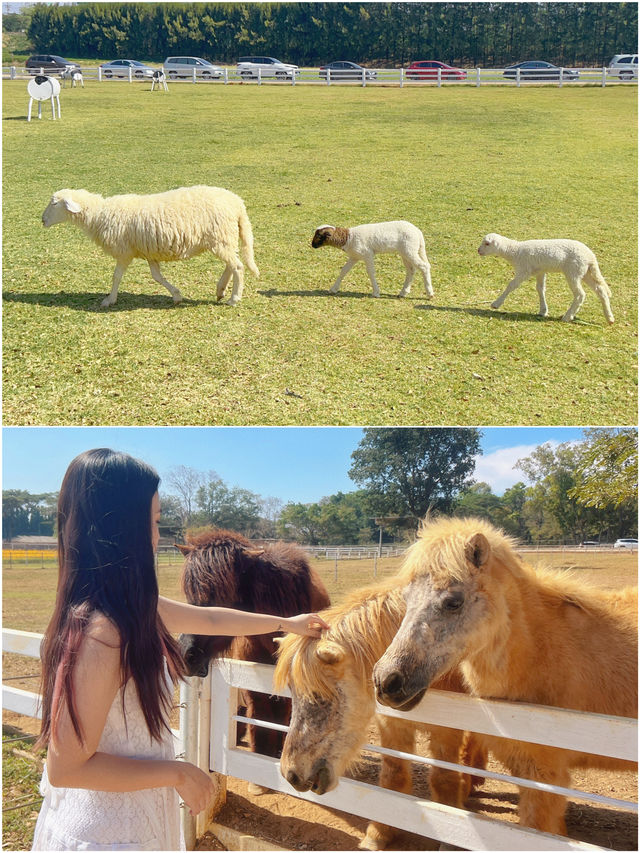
(471, 34)
(576, 491)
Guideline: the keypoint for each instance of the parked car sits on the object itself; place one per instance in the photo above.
(269, 67)
(624, 66)
(427, 69)
(183, 66)
(630, 544)
(534, 69)
(344, 70)
(50, 63)
(120, 68)
(589, 543)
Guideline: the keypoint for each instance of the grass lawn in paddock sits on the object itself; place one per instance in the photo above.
(527, 163)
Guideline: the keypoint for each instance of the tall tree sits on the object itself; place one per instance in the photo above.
(409, 470)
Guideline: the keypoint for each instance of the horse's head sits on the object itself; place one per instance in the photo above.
(449, 594)
(332, 705)
(216, 573)
(332, 694)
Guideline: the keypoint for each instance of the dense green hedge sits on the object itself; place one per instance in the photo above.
(485, 34)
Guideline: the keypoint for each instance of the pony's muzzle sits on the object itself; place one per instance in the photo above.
(320, 780)
(392, 690)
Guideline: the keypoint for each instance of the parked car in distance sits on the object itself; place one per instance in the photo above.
(120, 68)
(183, 66)
(269, 67)
(50, 63)
(535, 69)
(589, 544)
(630, 544)
(624, 66)
(345, 70)
(427, 69)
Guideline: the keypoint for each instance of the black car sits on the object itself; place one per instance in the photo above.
(50, 63)
(344, 70)
(535, 69)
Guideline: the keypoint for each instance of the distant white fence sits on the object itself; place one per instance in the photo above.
(475, 77)
(208, 721)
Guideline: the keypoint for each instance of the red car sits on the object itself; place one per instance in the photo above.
(428, 70)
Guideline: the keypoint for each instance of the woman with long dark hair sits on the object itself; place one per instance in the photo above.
(110, 663)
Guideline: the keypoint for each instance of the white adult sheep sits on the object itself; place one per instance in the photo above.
(362, 242)
(538, 257)
(168, 226)
(72, 74)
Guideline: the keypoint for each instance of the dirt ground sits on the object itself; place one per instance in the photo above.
(289, 823)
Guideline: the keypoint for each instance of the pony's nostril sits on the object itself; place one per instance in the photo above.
(293, 778)
(392, 684)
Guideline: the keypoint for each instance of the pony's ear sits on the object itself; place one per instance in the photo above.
(184, 549)
(477, 550)
(329, 652)
(253, 552)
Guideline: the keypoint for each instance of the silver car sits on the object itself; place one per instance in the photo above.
(120, 68)
(248, 66)
(184, 66)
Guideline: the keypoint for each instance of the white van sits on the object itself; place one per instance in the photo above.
(624, 66)
(184, 66)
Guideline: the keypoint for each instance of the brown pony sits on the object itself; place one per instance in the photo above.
(516, 633)
(224, 569)
(334, 703)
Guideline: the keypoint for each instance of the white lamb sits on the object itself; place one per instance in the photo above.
(168, 226)
(538, 257)
(362, 242)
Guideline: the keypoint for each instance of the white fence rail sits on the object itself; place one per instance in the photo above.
(614, 736)
(595, 76)
(208, 725)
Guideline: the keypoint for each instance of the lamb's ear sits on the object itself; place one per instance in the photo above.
(71, 205)
(477, 550)
(184, 549)
(329, 652)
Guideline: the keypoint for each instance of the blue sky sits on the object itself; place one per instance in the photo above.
(300, 464)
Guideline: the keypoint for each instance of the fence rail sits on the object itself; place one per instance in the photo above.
(475, 77)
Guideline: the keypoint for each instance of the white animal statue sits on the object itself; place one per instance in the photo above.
(167, 226)
(362, 242)
(538, 257)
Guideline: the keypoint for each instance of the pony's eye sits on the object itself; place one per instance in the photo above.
(453, 602)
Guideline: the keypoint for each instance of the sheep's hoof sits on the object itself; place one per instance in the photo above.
(402, 294)
(333, 290)
(233, 302)
(611, 321)
(495, 305)
(177, 297)
(567, 318)
(107, 302)
(376, 295)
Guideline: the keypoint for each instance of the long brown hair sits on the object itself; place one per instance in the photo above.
(106, 564)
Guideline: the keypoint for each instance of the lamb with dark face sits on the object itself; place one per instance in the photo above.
(363, 242)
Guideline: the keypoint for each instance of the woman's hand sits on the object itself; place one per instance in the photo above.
(306, 624)
(194, 787)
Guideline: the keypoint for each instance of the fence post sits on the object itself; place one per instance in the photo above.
(193, 74)
(401, 77)
(364, 76)
(12, 73)
(560, 78)
(375, 565)
(477, 76)
(604, 76)
(189, 732)
(518, 77)
(335, 569)
(259, 77)
(130, 74)
(99, 74)
(328, 76)
(226, 76)
(439, 77)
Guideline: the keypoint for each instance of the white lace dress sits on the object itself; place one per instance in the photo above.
(78, 819)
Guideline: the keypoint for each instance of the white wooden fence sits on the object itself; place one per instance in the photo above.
(208, 724)
(597, 75)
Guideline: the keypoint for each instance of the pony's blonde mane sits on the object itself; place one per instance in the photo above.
(441, 550)
(362, 627)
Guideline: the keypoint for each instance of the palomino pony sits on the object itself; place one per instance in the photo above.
(516, 633)
(334, 703)
(223, 569)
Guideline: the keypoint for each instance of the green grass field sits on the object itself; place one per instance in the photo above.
(456, 162)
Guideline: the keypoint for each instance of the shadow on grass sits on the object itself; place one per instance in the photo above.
(346, 294)
(90, 302)
(504, 316)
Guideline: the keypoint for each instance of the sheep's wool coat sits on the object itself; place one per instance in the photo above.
(166, 226)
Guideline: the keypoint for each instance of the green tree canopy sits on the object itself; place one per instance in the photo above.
(409, 470)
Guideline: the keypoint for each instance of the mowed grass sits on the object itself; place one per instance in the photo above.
(536, 162)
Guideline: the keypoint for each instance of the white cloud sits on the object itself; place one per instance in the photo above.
(497, 468)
